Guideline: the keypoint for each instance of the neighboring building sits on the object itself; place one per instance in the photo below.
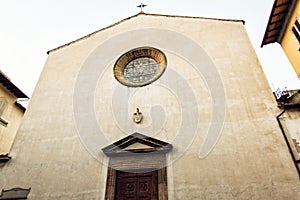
(284, 28)
(11, 114)
(153, 107)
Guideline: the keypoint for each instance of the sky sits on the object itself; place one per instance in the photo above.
(30, 28)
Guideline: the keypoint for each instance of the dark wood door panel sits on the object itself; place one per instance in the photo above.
(136, 186)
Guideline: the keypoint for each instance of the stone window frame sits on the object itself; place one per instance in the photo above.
(15, 193)
(3, 106)
(296, 30)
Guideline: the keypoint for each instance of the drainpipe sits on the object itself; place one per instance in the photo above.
(286, 140)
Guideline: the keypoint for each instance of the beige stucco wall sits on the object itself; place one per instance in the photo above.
(290, 44)
(11, 114)
(56, 157)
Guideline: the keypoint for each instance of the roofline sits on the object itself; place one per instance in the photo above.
(133, 16)
(269, 21)
(283, 28)
(12, 88)
(288, 16)
(20, 106)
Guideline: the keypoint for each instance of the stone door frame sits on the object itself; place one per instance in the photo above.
(122, 159)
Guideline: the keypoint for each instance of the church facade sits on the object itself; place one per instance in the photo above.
(284, 28)
(153, 107)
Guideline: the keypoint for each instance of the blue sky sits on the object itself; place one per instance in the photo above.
(29, 28)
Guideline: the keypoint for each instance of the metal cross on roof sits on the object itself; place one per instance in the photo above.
(141, 6)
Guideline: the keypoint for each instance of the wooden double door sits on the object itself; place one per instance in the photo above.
(136, 185)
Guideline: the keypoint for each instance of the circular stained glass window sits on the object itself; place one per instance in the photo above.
(140, 66)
